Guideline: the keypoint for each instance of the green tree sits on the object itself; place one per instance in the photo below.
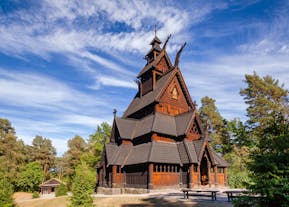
(238, 174)
(264, 96)
(6, 191)
(83, 186)
(72, 157)
(269, 166)
(215, 123)
(96, 143)
(43, 152)
(239, 133)
(12, 156)
(31, 177)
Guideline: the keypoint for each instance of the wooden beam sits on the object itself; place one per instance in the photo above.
(191, 171)
(113, 177)
(150, 175)
(216, 176)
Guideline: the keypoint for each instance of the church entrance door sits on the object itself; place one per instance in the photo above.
(204, 171)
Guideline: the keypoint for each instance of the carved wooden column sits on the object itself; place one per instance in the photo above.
(181, 177)
(124, 178)
(104, 181)
(225, 177)
(216, 176)
(150, 175)
(199, 176)
(113, 177)
(209, 173)
(191, 171)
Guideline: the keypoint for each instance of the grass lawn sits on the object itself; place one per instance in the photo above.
(119, 201)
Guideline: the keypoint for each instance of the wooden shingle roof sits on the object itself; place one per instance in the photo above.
(158, 122)
(53, 182)
(184, 152)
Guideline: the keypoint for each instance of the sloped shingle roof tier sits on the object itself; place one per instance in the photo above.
(184, 152)
(158, 122)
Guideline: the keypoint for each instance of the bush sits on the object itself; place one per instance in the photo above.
(61, 190)
(6, 192)
(35, 194)
(238, 179)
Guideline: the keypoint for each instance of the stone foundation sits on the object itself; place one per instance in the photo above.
(114, 191)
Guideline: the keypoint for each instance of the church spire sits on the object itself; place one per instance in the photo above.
(156, 49)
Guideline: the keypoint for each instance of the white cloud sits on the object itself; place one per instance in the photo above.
(31, 90)
(111, 81)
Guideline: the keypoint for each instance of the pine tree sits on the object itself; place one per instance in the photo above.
(72, 158)
(213, 120)
(83, 186)
(269, 165)
(43, 152)
(12, 156)
(265, 97)
(96, 143)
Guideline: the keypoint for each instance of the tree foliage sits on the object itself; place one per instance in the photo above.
(12, 156)
(215, 124)
(31, 177)
(6, 191)
(43, 152)
(76, 147)
(61, 190)
(237, 158)
(96, 143)
(269, 127)
(269, 165)
(83, 186)
(265, 97)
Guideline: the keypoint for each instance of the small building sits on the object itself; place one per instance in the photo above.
(159, 142)
(49, 186)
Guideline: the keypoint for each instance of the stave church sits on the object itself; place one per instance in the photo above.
(159, 141)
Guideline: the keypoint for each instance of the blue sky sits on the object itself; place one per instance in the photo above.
(65, 64)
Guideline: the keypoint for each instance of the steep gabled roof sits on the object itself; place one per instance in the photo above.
(53, 182)
(110, 151)
(219, 161)
(190, 149)
(139, 103)
(143, 101)
(154, 63)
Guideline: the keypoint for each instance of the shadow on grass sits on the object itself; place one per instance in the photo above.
(162, 202)
(157, 202)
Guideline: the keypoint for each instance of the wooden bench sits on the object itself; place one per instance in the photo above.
(200, 192)
(234, 193)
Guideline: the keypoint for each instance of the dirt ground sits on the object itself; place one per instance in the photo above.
(164, 200)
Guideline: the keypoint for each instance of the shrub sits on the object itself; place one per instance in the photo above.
(61, 190)
(6, 192)
(35, 194)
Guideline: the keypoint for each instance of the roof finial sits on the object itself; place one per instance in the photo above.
(155, 30)
(164, 47)
(114, 112)
(178, 55)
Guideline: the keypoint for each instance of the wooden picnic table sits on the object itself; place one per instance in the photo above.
(213, 193)
(234, 193)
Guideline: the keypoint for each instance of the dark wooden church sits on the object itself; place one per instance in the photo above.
(159, 141)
